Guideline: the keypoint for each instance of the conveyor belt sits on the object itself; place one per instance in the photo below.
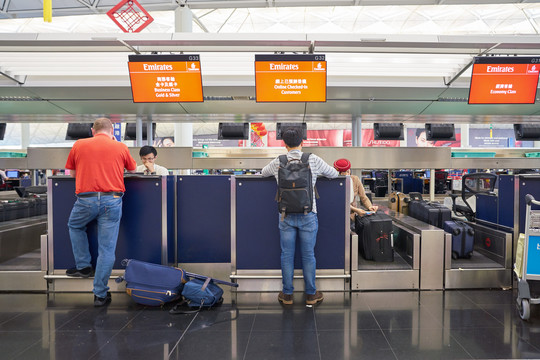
(477, 261)
(398, 264)
(30, 261)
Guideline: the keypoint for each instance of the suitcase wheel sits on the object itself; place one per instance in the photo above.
(456, 231)
(393, 200)
(454, 255)
(469, 255)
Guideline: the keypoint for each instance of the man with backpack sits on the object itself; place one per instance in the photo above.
(296, 174)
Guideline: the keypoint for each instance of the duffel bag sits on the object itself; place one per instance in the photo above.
(152, 284)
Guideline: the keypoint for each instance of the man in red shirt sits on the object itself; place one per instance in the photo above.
(98, 165)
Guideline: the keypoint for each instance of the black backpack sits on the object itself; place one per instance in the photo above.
(295, 186)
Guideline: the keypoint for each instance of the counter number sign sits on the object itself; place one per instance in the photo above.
(290, 78)
(165, 78)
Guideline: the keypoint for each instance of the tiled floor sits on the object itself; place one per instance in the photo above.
(467, 324)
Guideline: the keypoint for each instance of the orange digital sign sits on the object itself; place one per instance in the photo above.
(290, 78)
(504, 80)
(165, 78)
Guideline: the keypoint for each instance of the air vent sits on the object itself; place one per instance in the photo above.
(452, 99)
(229, 98)
(20, 98)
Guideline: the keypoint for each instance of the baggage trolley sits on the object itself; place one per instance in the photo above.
(530, 270)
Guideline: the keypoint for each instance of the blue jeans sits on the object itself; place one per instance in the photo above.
(304, 228)
(108, 212)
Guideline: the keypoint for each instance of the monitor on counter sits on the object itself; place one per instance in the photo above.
(12, 174)
(165, 78)
(290, 78)
(233, 131)
(281, 127)
(79, 131)
(504, 80)
(131, 131)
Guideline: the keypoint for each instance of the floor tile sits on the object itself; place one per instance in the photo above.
(470, 318)
(225, 318)
(425, 344)
(483, 297)
(14, 343)
(143, 345)
(285, 320)
(354, 344)
(104, 318)
(209, 344)
(68, 345)
(328, 319)
(357, 325)
(495, 343)
(281, 345)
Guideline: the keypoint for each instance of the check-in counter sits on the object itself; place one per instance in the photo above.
(418, 259)
(490, 266)
(203, 217)
(255, 241)
(146, 229)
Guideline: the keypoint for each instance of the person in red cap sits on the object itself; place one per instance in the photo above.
(343, 166)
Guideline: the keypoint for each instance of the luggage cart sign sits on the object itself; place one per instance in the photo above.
(533, 256)
(290, 78)
(165, 78)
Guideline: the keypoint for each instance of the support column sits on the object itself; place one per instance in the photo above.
(464, 135)
(138, 131)
(183, 132)
(25, 135)
(357, 130)
(149, 132)
(183, 19)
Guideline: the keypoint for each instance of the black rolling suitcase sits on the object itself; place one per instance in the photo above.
(462, 238)
(16, 210)
(443, 214)
(429, 212)
(375, 240)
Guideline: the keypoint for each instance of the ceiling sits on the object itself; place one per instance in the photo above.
(380, 76)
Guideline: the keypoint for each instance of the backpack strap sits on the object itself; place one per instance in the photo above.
(305, 157)
(283, 160)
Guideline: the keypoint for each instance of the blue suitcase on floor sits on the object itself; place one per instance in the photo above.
(152, 284)
(462, 238)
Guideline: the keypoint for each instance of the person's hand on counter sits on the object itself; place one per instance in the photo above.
(374, 208)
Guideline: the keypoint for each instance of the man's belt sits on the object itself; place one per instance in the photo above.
(94, 194)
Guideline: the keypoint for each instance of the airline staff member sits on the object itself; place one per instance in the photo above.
(148, 156)
(98, 164)
(343, 166)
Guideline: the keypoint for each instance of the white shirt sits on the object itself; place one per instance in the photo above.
(160, 170)
(316, 164)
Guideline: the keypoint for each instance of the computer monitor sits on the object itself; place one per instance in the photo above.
(14, 174)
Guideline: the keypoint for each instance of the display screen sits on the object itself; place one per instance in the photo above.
(290, 78)
(13, 174)
(504, 80)
(165, 78)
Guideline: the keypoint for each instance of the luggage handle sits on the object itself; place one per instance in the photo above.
(216, 281)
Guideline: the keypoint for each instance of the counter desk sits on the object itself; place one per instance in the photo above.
(255, 244)
(146, 229)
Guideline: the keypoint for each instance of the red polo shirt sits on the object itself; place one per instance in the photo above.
(99, 164)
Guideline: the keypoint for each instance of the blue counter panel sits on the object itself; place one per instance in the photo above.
(257, 233)
(204, 219)
(486, 208)
(140, 235)
(506, 200)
